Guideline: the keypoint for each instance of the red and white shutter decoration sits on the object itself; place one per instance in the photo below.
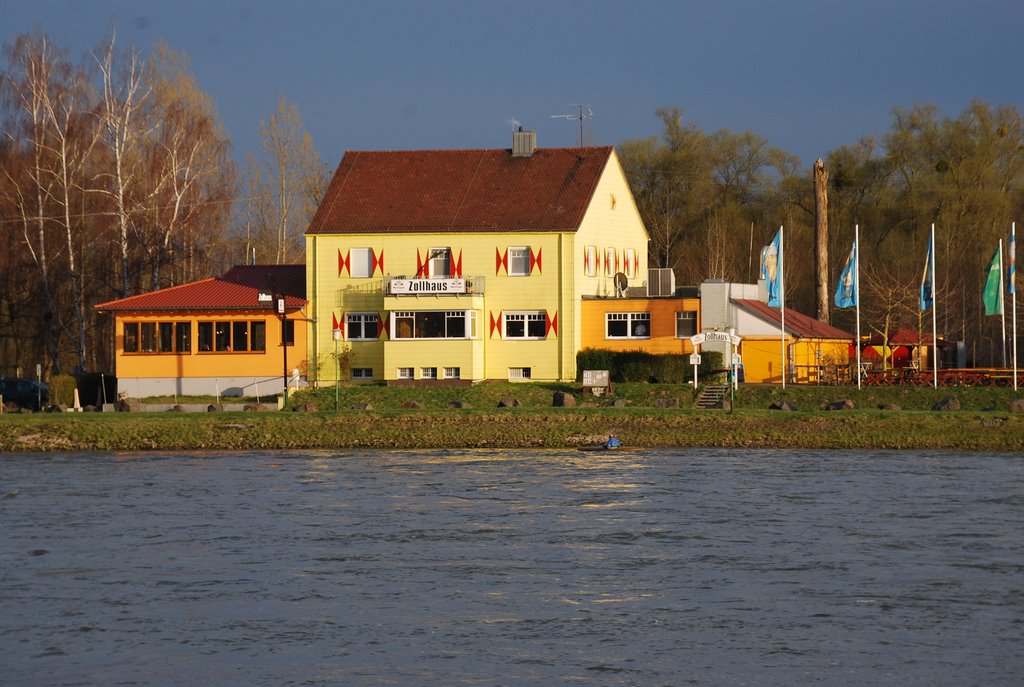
(500, 261)
(550, 323)
(421, 266)
(535, 259)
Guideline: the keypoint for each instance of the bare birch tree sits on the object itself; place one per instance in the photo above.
(124, 120)
(34, 67)
(289, 183)
(73, 133)
(191, 175)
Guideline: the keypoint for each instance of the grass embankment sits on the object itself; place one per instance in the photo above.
(984, 422)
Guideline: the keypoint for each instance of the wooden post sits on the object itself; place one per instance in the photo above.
(821, 240)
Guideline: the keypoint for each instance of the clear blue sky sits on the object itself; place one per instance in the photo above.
(387, 75)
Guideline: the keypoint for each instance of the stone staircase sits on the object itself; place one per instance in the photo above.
(711, 396)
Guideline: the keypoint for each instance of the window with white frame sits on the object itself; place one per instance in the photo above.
(519, 262)
(525, 325)
(405, 373)
(440, 263)
(627, 325)
(519, 372)
(362, 373)
(591, 261)
(686, 324)
(434, 324)
(361, 262)
(361, 326)
(452, 373)
(630, 266)
(609, 262)
(428, 373)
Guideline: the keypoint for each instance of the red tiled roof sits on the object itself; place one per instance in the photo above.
(797, 323)
(239, 288)
(902, 336)
(460, 190)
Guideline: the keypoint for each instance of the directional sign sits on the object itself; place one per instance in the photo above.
(698, 339)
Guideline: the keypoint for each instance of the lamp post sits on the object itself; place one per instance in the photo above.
(337, 368)
(732, 367)
(284, 345)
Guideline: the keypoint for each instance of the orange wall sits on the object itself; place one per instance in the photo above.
(211, 364)
(663, 323)
(762, 360)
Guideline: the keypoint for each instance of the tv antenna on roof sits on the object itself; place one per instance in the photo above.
(581, 116)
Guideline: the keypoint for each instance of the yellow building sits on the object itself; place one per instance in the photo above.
(220, 336)
(816, 352)
(467, 264)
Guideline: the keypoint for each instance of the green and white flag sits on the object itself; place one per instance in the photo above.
(993, 294)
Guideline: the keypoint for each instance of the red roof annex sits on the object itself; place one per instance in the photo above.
(796, 322)
(239, 288)
(460, 190)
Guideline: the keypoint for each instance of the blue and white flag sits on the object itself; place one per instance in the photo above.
(927, 280)
(770, 264)
(846, 289)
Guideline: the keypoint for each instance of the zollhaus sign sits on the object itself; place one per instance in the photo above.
(427, 286)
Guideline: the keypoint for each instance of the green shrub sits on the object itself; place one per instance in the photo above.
(593, 359)
(62, 389)
(710, 363)
(633, 371)
(641, 366)
(672, 369)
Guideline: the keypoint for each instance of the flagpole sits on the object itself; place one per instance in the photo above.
(935, 306)
(1013, 296)
(856, 290)
(782, 300)
(1002, 303)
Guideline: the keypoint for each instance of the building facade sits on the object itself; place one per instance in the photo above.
(467, 265)
(815, 352)
(656, 325)
(242, 334)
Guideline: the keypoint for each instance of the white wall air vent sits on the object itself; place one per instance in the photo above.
(661, 281)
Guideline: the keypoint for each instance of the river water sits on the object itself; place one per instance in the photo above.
(668, 567)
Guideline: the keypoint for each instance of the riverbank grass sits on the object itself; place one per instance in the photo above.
(469, 417)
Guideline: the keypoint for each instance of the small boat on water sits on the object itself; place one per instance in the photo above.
(610, 449)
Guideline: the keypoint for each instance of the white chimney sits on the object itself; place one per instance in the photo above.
(523, 143)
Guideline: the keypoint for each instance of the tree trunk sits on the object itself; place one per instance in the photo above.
(821, 240)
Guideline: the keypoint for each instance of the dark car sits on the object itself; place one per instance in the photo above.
(24, 393)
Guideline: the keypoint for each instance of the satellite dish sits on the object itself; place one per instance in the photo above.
(620, 283)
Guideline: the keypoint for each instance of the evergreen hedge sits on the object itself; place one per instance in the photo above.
(640, 366)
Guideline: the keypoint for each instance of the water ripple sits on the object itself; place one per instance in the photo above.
(527, 568)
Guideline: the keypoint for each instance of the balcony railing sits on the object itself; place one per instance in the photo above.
(434, 286)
